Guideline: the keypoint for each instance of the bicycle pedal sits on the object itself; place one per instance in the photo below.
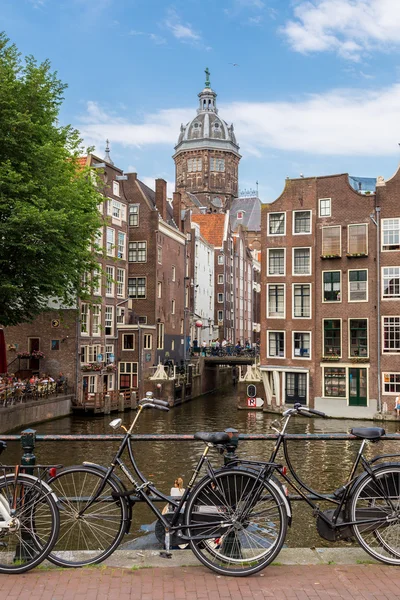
(165, 554)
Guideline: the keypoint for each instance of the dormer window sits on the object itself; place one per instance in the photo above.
(240, 215)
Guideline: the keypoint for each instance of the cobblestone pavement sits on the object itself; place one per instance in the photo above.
(355, 582)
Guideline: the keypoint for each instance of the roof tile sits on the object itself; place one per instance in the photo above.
(212, 227)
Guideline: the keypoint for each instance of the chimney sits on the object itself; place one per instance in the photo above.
(177, 208)
(161, 198)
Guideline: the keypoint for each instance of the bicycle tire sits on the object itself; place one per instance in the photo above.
(371, 499)
(94, 536)
(230, 547)
(36, 519)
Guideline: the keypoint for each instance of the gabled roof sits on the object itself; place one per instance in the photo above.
(212, 227)
(151, 198)
(251, 208)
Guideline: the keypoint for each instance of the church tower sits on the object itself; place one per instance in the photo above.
(207, 155)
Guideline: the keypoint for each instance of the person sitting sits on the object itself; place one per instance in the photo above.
(397, 406)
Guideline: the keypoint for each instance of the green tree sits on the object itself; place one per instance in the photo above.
(48, 203)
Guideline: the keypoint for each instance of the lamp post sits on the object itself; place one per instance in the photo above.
(375, 218)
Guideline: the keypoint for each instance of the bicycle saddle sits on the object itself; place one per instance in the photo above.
(219, 437)
(368, 433)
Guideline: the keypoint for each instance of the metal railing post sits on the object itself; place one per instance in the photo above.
(28, 460)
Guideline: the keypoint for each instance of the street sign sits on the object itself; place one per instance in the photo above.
(255, 402)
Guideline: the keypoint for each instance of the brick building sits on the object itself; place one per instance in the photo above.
(319, 301)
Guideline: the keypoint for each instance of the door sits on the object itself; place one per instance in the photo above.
(34, 344)
(358, 387)
(296, 388)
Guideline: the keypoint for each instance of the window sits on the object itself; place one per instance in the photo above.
(332, 283)
(84, 318)
(391, 334)
(332, 337)
(142, 320)
(276, 223)
(358, 286)
(160, 336)
(220, 297)
(110, 241)
(173, 273)
(301, 261)
(137, 252)
(276, 261)
(121, 245)
(134, 215)
(335, 382)
(96, 282)
(109, 281)
(116, 188)
(301, 344)
(220, 259)
(276, 301)
(55, 344)
(276, 344)
(120, 283)
(357, 239)
(391, 383)
(220, 279)
(96, 319)
(108, 320)
(137, 287)
(302, 221)
(128, 341)
(120, 315)
(159, 289)
(331, 241)
(128, 375)
(391, 234)
(116, 209)
(159, 254)
(220, 315)
(172, 344)
(239, 215)
(194, 164)
(391, 282)
(301, 301)
(110, 353)
(358, 333)
(173, 307)
(325, 207)
(217, 164)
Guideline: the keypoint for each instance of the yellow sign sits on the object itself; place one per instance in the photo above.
(55, 323)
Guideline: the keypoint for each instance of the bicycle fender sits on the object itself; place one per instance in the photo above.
(375, 469)
(34, 479)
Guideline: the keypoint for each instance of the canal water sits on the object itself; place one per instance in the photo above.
(323, 465)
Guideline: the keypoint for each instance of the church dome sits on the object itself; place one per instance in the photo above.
(207, 130)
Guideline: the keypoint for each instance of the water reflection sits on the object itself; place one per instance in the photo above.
(323, 464)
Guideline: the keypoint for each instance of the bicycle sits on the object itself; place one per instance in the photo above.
(29, 519)
(96, 509)
(367, 506)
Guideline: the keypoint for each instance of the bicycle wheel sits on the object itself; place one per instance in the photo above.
(244, 518)
(34, 527)
(378, 500)
(87, 536)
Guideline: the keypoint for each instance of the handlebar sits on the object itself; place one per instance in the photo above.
(152, 405)
(305, 411)
(160, 402)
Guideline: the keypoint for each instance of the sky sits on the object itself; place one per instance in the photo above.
(311, 86)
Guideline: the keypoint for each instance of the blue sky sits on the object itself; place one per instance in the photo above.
(316, 90)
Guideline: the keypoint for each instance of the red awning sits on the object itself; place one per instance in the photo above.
(3, 355)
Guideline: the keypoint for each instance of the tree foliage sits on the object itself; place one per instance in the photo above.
(48, 203)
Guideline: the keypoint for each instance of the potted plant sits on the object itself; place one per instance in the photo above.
(23, 354)
(37, 354)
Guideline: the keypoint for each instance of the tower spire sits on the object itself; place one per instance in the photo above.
(207, 72)
(107, 157)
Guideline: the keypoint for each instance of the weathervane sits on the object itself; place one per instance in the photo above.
(207, 72)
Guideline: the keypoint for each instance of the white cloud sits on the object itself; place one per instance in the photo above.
(339, 122)
(150, 182)
(350, 28)
(153, 37)
(182, 32)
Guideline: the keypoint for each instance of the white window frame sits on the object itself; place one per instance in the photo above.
(173, 273)
(389, 298)
(136, 286)
(341, 334)
(269, 331)
(384, 382)
(116, 190)
(383, 221)
(120, 283)
(133, 213)
(137, 250)
(124, 335)
(96, 320)
(366, 236)
(173, 307)
(147, 341)
(110, 246)
(297, 283)
(108, 311)
(220, 259)
(108, 350)
(218, 298)
(116, 209)
(349, 338)
(322, 237)
(160, 341)
(319, 207)
(109, 283)
(301, 357)
(294, 222)
(159, 289)
(278, 212)
(383, 334)
(348, 286)
(85, 311)
(346, 376)
(96, 291)
(120, 315)
(310, 267)
(121, 250)
(284, 301)
(284, 263)
(341, 286)
(220, 279)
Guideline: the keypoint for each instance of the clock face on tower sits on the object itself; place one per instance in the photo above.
(207, 156)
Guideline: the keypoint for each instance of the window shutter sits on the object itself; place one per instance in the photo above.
(109, 207)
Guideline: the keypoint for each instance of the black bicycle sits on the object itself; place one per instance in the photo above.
(215, 516)
(366, 507)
